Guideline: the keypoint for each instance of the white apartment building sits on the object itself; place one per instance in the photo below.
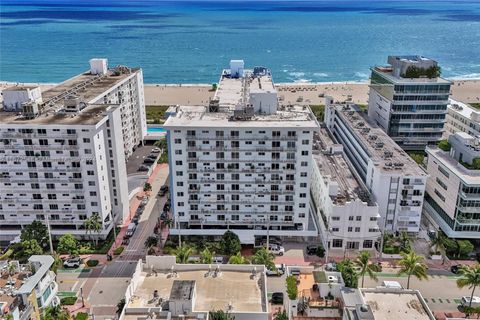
(348, 217)
(64, 159)
(242, 163)
(396, 182)
(462, 117)
(452, 202)
(409, 106)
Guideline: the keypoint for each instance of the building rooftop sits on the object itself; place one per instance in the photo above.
(464, 110)
(468, 176)
(199, 116)
(244, 98)
(10, 284)
(20, 88)
(42, 265)
(383, 151)
(334, 166)
(85, 87)
(234, 288)
(396, 305)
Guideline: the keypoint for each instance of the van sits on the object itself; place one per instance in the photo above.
(130, 230)
(475, 301)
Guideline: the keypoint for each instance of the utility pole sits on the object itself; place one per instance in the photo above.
(268, 233)
(49, 233)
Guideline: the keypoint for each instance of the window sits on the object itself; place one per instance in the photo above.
(367, 244)
(335, 218)
(337, 243)
(440, 195)
(357, 229)
(373, 218)
(335, 229)
(443, 171)
(350, 229)
(358, 218)
(350, 218)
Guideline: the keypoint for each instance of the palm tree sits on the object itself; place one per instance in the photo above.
(93, 224)
(120, 306)
(470, 278)
(11, 270)
(206, 256)
(439, 244)
(147, 187)
(412, 265)
(55, 313)
(405, 242)
(281, 315)
(238, 259)
(362, 262)
(262, 256)
(183, 253)
(151, 242)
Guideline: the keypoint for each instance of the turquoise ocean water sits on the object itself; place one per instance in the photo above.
(191, 41)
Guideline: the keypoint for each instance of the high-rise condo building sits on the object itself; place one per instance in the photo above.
(63, 154)
(348, 217)
(462, 117)
(408, 99)
(452, 202)
(243, 162)
(396, 182)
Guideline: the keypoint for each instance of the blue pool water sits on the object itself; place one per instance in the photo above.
(156, 130)
(191, 41)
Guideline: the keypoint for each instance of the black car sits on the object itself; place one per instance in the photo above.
(166, 207)
(135, 219)
(312, 250)
(149, 160)
(455, 269)
(163, 190)
(277, 298)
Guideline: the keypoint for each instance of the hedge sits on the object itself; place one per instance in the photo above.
(118, 250)
(92, 263)
(68, 301)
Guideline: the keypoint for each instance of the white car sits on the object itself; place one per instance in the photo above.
(155, 150)
(276, 249)
(475, 301)
(72, 262)
(218, 260)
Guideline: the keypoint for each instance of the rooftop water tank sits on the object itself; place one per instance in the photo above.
(98, 66)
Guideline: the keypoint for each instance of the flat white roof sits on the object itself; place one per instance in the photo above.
(398, 305)
(461, 108)
(471, 177)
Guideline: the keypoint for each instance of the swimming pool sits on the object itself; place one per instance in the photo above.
(156, 130)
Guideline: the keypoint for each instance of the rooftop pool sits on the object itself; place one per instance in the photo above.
(155, 130)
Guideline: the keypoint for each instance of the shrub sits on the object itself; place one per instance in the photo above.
(68, 301)
(92, 263)
(292, 290)
(81, 316)
(118, 250)
(320, 251)
(444, 145)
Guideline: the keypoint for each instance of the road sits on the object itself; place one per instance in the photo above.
(114, 278)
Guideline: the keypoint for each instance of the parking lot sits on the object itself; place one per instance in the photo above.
(137, 158)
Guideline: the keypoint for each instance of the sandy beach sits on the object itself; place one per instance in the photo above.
(289, 93)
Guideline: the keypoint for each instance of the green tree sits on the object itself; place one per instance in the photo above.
(292, 290)
(206, 256)
(55, 313)
(281, 315)
(35, 231)
(120, 306)
(68, 244)
(93, 224)
(405, 242)
(238, 259)
(264, 257)
(230, 243)
(31, 247)
(412, 264)
(349, 275)
(147, 187)
(470, 277)
(220, 315)
(439, 244)
(444, 145)
(183, 253)
(365, 267)
(151, 241)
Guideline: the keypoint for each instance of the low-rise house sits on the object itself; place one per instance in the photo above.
(163, 289)
(25, 290)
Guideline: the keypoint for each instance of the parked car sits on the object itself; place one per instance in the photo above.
(294, 272)
(277, 298)
(135, 219)
(272, 239)
(312, 250)
(143, 168)
(279, 271)
(475, 301)
(163, 190)
(149, 160)
(276, 249)
(166, 207)
(130, 230)
(73, 262)
(152, 156)
(156, 150)
(456, 268)
(218, 260)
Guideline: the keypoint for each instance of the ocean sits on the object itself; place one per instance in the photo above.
(191, 41)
